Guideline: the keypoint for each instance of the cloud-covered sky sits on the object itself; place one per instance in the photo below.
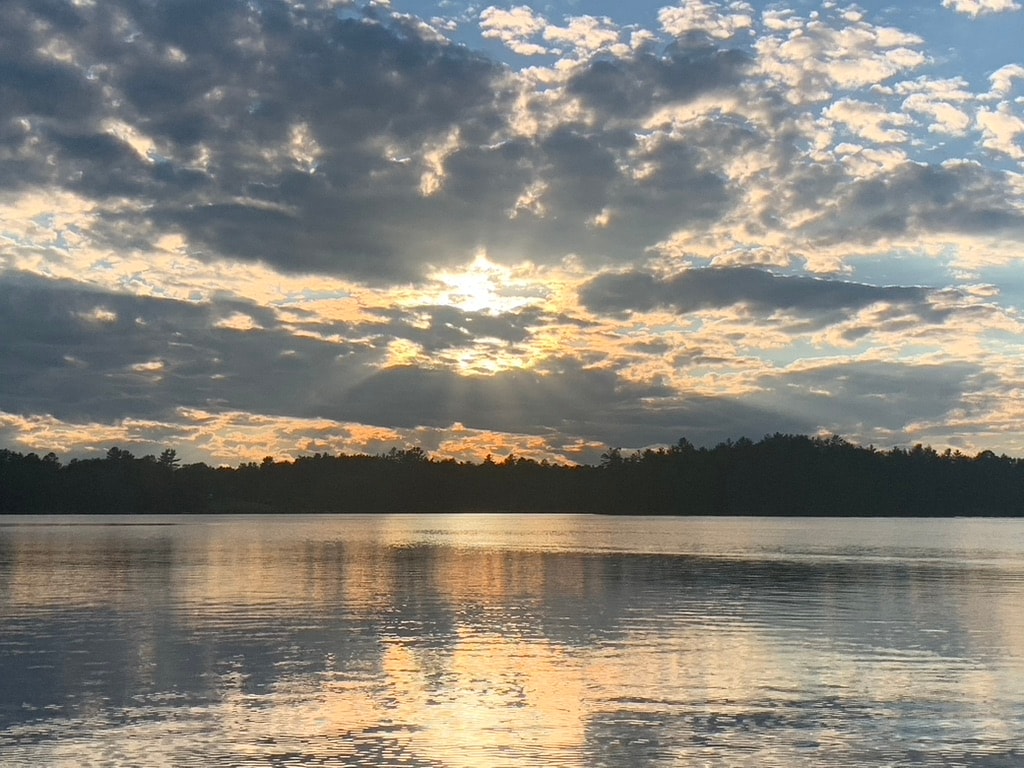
(241, 229)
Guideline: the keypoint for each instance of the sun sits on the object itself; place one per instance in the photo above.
(479, 286)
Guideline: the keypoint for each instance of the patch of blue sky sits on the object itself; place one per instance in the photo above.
(1003, 341)
(317, 294)
(1010, 281)
(798, 349)
(901, 268)
(997, 42)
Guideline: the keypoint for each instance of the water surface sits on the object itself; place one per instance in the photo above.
(477, 640)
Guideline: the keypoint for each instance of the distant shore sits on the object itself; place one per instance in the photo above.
(785, 475)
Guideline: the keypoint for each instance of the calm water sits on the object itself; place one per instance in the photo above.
(484, 641)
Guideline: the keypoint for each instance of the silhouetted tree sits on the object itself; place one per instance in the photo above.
(169, 459)
(779, 475)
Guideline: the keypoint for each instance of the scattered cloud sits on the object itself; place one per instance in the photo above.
(711, 19)
(514, 27)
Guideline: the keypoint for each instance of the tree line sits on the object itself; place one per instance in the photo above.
(779, 475)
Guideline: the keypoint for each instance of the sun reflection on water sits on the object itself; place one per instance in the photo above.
(500, 641)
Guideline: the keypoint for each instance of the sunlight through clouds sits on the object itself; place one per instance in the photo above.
(478, 286)
(327, 226)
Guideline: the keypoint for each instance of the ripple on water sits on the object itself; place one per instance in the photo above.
(434, 645)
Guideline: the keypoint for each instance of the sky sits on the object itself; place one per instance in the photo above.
(280, 228)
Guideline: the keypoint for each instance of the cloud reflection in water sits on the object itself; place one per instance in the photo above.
(510, 641)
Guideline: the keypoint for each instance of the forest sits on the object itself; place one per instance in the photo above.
(778, 475)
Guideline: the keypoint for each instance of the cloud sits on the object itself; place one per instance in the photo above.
(636, 85)
(351, 144)
(563, 401)
(918, 200)
(399, 154)
(869, 121)
(714, 288)
(941, 100)
(514, 27)
(880, 400)
(708, 18)
(564, 398)
(586, 35)
(1002, 130)
(436, 329)
(272, 140)
(975, 8)
(87, 355)
(1003, 79)
(812, 58)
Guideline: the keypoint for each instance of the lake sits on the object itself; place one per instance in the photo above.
(479, 641)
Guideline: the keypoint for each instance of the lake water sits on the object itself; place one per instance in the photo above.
(483, 641)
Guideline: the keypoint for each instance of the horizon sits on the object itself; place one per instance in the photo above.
(612, 454)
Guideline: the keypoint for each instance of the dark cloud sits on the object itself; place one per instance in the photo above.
(854, 398)
(448, 327)
(579, 171)
(564, 402)
(86, 356)
(864, 401)
(221, 87)
(705, 420)
(913, 198)
(565, 398)
(581, 174)
(438, 328)
(632, 87)
(358, 85)
(33, 83)
(677, 191)
(714, 288)
(83, 355)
